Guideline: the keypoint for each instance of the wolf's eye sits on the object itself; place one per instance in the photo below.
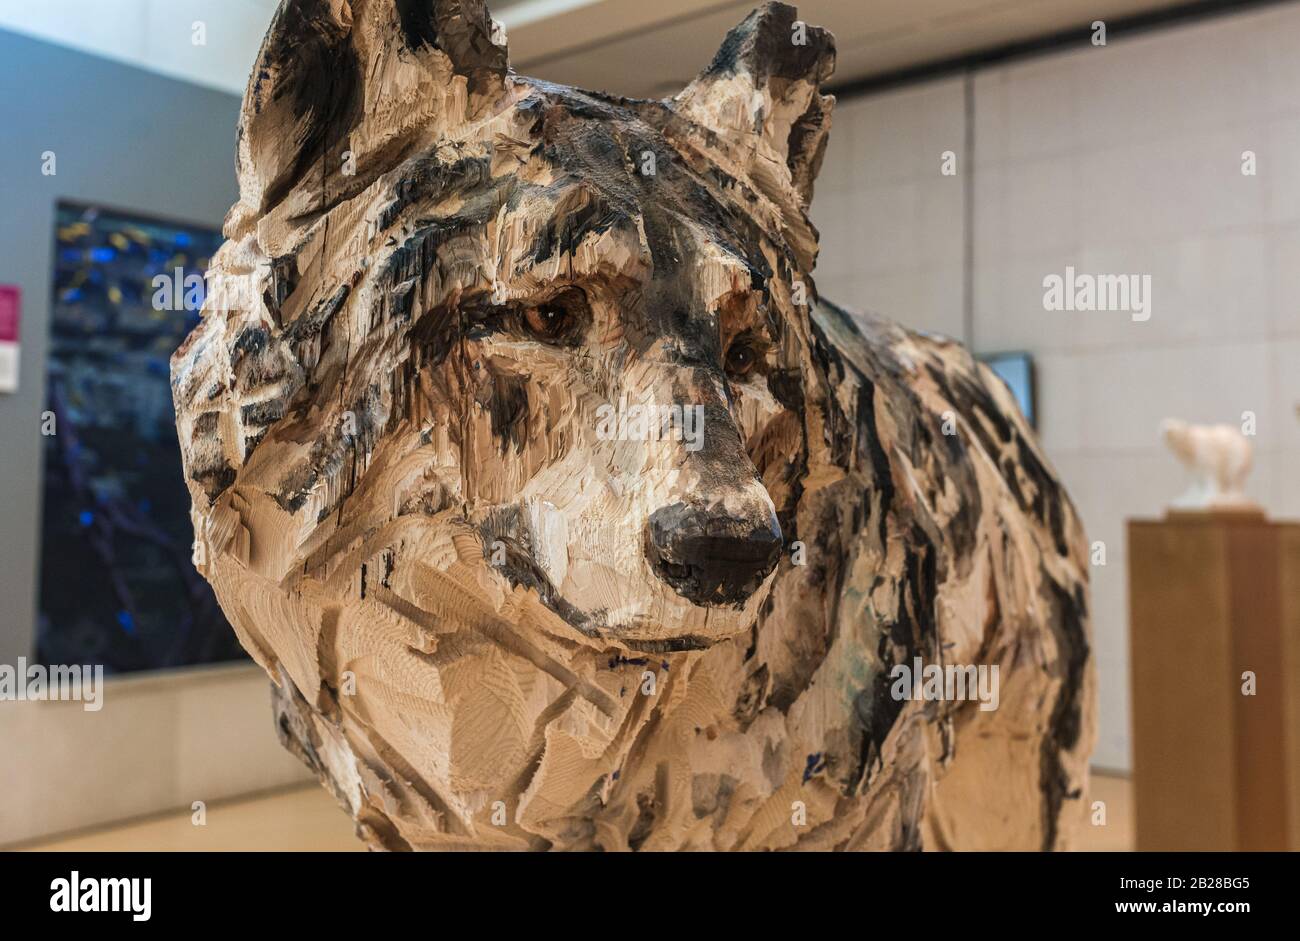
(742, 357)
(558, 320)
(547, 321)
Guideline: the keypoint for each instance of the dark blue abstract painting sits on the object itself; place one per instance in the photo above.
(117, 581)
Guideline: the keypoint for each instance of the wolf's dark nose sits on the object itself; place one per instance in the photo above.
(711, 556)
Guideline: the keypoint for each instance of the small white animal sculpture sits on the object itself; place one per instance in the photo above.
(1219, 457)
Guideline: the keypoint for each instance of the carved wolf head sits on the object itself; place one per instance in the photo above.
(569, 326)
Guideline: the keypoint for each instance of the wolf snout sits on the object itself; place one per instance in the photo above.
(712, 556)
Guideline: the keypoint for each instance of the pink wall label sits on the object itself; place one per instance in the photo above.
(10, 300)
(10, 308)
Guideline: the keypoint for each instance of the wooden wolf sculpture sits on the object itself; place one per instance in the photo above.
(561, 512)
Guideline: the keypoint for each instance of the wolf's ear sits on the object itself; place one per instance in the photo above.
(341, 86)
(762, 95)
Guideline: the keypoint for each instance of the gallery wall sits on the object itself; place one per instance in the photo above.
(1122, 159)
(137, 141)
(205, 43)
(172, 158)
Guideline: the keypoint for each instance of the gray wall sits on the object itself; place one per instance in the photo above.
(123, 138)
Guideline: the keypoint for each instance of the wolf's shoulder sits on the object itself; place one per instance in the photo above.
(878, 348)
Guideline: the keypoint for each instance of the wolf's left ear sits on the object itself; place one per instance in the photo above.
(342, 88)
(762, 95)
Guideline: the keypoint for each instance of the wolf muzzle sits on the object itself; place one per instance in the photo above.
(710, 556)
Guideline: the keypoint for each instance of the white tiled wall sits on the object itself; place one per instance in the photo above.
(1119, 160)
(891, 223)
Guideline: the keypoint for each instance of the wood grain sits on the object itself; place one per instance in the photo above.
(501, 609)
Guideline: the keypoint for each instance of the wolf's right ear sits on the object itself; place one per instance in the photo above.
(762, 93)
(342, 87)
(761, 96)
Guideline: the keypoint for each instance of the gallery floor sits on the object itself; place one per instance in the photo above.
(308, 819)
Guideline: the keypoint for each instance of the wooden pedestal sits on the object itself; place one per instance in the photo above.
(1212, 596)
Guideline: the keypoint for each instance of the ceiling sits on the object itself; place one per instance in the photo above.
(632, 47)
(629, 47)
